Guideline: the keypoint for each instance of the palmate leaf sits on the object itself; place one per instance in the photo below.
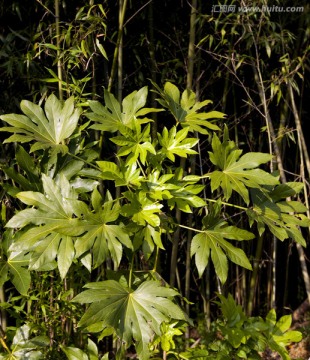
(186, 197)
(282, 217)
(53, 214)
(105, 239)
(147, 237)
(26, 346)
(13, 265)
(29, 181)
(44, 244)
(49, 128)
(121, 175)
(112, 116)
(185, 109)
(19, 274)
(55, 206)
(134, 315)
(135, 143)
(236, 172)
(176, 143)
(178, 191)
(158, 187)
(279, 335)
(141, 209)
(15, 269)
(212, 241)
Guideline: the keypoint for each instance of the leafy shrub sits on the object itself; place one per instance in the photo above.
(113, 216)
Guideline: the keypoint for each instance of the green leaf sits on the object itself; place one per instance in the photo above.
(56, 206)
(284, 323)
(25, 347)
(20, 276)
(105, 240)
(20, 180)
(122, 175)
(178, 192)
(49, 129)
(113, 116)
(283, 218)
(185, 109)
(237, 173)
(92, 350)
(26, 162)
(73, 353)
(134, 315)
(176, 143)
(141, 209)
(168, 332)
(3, 272)
(212, 241)
(109, 116)
(186, 197)
(148, 237)
(135, 143)
(53, 216)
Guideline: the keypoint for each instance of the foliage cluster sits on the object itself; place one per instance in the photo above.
(117, 216)
(101, 194)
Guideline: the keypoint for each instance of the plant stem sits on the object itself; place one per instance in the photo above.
(123, 6)
(191, 45)
(120, 58)
(131, 270)
(85, 161)
(59, 65)
(228, 204)
(254, 276)
(156, 259)
(153, 68)
(190, 228)
(174, 251)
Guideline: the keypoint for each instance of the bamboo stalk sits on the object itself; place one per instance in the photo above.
(253, 281)
(304, 157)
(123, 6)
(191, 45)
(190, 71)
(59, 64)
(153, 66)
(120, 57)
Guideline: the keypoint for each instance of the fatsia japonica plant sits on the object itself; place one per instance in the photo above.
(113, 214)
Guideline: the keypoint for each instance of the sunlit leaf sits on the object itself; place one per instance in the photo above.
(235, 172)
(176, 143)
(113, 115)
(212, 241)
(186, 109)
(48, 129)
(282, 217)
(105, 239)
(135, 315)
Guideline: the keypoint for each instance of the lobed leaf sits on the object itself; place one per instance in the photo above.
(134, 315)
